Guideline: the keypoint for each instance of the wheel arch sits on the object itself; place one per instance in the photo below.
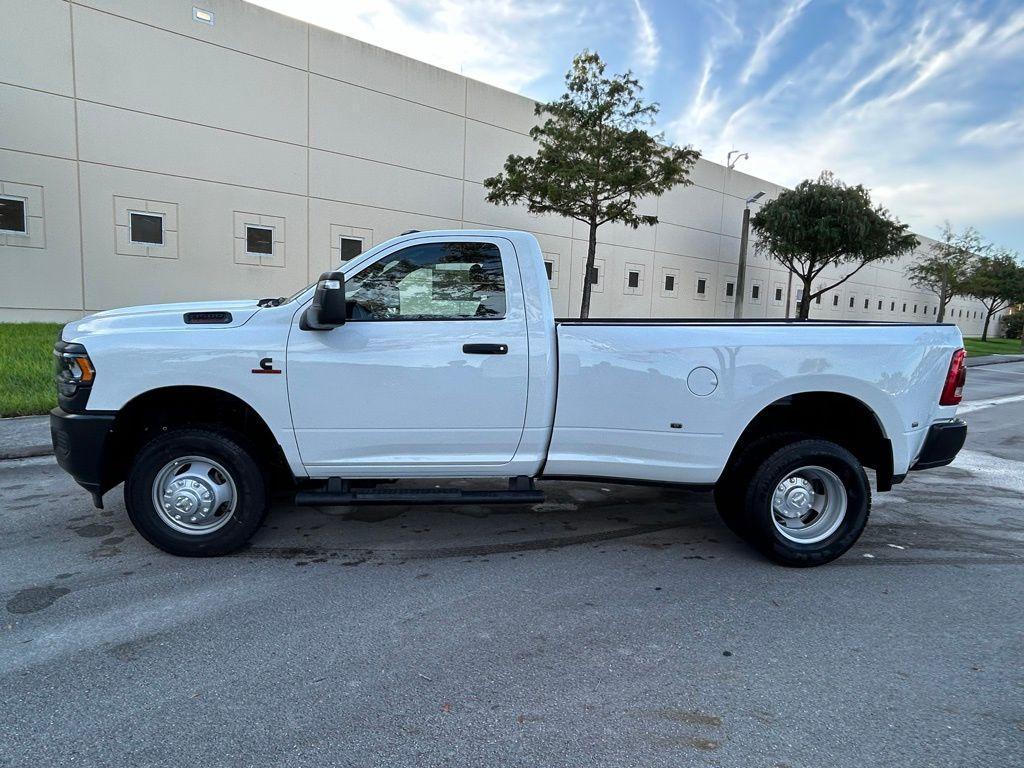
(158, 410)
(836, 416)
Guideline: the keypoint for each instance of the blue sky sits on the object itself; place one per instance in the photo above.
(921, 102)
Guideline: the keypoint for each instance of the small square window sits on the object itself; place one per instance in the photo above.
(879, 303)
(259, 240)
(146, 228)
(852, 300)
(595, 275)
(350, 248)
(13, 218)
(835, 300)
(866, 303)
(730, 289)
(778, 294)
(670, 282)
(633, 279)
(702, 286)
(755, 291)
(548, 267)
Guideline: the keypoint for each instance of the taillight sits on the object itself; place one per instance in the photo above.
(956, 377)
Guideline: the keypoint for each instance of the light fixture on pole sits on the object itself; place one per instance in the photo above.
(742, 267)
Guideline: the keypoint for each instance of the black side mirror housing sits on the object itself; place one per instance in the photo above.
(328, 308)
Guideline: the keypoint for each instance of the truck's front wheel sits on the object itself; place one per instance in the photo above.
(196, 492)
(807, 503)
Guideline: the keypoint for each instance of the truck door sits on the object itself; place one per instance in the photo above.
(430, 369)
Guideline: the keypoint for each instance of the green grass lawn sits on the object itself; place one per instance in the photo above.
(977, 347)
(26, 368)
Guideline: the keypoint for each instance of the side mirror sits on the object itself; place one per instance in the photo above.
(328, 308)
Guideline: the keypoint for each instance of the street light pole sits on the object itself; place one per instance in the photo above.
(742, 268)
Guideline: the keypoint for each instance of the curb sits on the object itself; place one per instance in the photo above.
(981, 362)
(28, 452)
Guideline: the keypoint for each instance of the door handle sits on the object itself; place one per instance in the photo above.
(485, 349)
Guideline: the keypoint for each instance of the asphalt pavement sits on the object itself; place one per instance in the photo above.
(610, 626)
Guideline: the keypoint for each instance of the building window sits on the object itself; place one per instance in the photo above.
(866, 303)
(879, 303)
(925, 310)
(853, 299)
(633, 279)
(548, 267)
(778, 294)
(892, 306)
(702, 286)
(146, 228)
(13, 216)
(817, 299)
(915, 309)
(835, 300)
(350, 247)
(904, 306)
(730, 289)
(755, 292)
(799, 294)
(670, 282)
(595, 275)
(259, 240)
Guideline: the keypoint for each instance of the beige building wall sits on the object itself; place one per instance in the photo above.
(109, 106)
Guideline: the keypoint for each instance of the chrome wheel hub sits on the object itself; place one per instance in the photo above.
(194, 495)
(809, 504)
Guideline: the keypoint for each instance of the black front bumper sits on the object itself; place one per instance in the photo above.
(942, 444)
(79, 440)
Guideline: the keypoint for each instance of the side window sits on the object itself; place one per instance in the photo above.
(433, 281)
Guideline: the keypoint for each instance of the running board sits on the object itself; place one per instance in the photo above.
(341, 493)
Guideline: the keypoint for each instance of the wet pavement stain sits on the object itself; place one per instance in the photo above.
(686, 716)
(35, 599)
(93, 530)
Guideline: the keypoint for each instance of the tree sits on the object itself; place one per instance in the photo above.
(997, 281)
(594, 159)
(946, 267)
(825, 224)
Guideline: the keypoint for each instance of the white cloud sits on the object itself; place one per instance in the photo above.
(769, 41)
(646, 47)
(507, 43)
(907, 108)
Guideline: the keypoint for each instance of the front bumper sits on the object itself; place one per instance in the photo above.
(79, 440)
(942, 444)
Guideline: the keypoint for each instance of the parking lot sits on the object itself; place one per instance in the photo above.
(611, 625)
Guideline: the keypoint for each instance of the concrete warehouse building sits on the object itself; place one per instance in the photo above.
(165, 151)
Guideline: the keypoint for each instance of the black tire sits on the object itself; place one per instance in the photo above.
(731, 488)
(223, 446)
(758, 519)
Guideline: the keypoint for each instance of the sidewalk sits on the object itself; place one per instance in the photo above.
(25, 436)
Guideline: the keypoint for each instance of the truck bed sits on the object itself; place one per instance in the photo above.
(667, 400)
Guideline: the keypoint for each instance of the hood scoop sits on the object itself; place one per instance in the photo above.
(207, 318)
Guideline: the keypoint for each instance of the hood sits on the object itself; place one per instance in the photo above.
(162, 317)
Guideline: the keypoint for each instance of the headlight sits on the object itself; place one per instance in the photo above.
(73, 371)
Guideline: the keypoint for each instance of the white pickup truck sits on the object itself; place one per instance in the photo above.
(436, 355)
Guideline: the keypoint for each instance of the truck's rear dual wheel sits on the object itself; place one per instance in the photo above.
(196, 492)
(802, 504)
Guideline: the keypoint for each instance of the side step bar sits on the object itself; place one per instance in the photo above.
(340, 492)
